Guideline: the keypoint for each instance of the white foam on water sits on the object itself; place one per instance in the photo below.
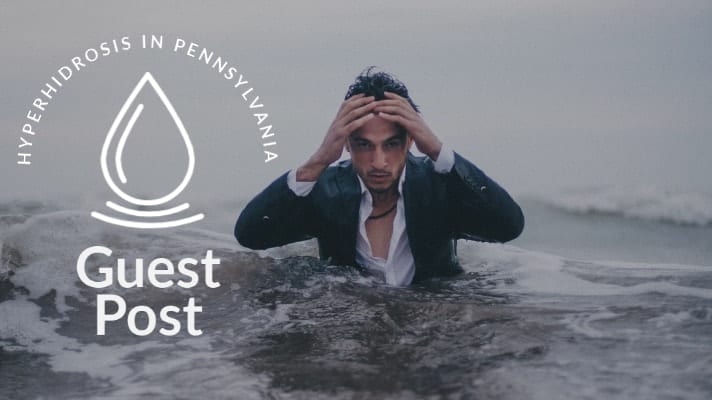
(643, 202)
(304, 248)
(582, 323)
(673, 319)
(190, 373)
(541, 273)
(179, 368)
(49, 245)
(29, 332)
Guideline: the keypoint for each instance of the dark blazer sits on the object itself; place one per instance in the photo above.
(439, 209)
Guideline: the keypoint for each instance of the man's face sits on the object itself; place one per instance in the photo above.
(378, 153)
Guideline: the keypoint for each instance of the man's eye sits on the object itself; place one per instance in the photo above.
(393, 145)
(362, 145)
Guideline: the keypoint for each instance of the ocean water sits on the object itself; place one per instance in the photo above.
(605, 295)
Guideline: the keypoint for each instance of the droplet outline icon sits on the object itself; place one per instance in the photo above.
(147, 78)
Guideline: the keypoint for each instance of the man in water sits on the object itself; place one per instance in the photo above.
(385, 210)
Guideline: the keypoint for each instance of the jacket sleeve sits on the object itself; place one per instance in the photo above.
(275, 217)
(481, 209)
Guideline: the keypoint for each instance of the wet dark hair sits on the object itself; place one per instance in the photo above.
(374, 83)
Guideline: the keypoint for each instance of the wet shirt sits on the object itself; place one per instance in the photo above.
(398, 269)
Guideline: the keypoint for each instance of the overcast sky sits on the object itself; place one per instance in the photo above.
(542, 95)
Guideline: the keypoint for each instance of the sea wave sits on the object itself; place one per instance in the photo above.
(285, 325)
(643, 202)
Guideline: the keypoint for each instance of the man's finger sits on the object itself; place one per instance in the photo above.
(397, 118)
(357, 113)
(357, 123)
(394, 109)
(401, 103)
(350, 99)
(393, 96)
(354, 102)
(393, 102)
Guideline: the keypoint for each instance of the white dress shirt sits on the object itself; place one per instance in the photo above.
(399, 268)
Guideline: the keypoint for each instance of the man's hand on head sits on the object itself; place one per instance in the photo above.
(353, 113)
(397, 109)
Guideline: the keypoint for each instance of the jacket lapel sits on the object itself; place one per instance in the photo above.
(417, 197)
(350, 189)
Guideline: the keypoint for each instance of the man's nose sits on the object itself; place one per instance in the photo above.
(379, 158)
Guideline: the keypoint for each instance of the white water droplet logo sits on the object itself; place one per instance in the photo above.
(119, 170)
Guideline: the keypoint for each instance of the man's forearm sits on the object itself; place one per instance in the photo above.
(430, 146)
(275, 217)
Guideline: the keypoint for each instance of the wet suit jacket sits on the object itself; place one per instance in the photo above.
(439, 209)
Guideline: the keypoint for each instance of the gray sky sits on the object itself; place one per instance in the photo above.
(543, 95)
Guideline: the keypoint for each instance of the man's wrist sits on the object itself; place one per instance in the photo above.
(445, 161)
(435, 152)
(301, 189)
(310, 172)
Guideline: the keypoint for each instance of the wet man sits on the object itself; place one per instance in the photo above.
(385, 210)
